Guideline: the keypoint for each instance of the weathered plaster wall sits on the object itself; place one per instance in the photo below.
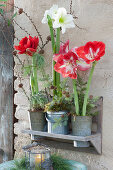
(96, 17)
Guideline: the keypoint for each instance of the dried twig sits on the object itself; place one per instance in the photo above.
(71, 7)
(40, 36)
(21, 27)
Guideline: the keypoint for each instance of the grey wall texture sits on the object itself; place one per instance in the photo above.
(96, 19)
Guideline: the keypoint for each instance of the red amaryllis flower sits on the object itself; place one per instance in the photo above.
(66, 65)
(92, 51)
(28, 45)
(81, 63)
(64, 48)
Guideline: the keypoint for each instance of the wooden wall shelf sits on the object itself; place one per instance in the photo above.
(95, 139)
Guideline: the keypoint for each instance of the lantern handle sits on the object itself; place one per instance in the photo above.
(33, 145)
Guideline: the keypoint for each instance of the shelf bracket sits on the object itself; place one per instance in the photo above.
(97, 143)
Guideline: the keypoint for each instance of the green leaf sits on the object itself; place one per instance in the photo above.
(9, 22)
(15, 14)
(1, 11)
(2, 5)
(40, 61)
(49, 21)
(3, 0)
(27, 70)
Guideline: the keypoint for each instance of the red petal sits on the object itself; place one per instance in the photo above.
(28, 45)
(56, 57)
(98, 49)
(64, 48)
(23, 41)
(66, 65)
(20, 48)
(22, 52)
(82, 65)
(31, 49)
(36, 42)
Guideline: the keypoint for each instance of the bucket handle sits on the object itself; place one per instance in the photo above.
(51, 120)
(48, 119)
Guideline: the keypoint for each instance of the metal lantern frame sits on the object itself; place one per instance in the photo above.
(44, 164)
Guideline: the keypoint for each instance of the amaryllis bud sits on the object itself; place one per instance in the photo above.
(62, 116)
(41, 52)
(49, 38)
(15, 53)
(20, 85)
(91, 97)
(64, 92)
(68, 114)
(53, 87)
(20, 11)
(67, 95)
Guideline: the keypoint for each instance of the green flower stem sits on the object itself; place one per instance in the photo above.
(76, 97)
(87, 89)
(32, 85)
(58, 41)
(52, 39)
(34, 69)
(53, 48)
(54, 51)
(57, 51)
(33, 102)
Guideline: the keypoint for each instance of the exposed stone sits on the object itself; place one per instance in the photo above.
(22, 113)
(21, 100)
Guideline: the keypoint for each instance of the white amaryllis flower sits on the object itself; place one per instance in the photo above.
(51, 12)
(63, 20)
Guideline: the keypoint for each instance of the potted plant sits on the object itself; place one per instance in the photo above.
(38, 99)
(58, 20)
(58, 111)
(81, 58)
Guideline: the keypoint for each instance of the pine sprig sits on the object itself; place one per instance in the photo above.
(20, 164)
(59, 163)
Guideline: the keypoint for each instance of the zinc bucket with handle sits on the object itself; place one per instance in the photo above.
(81, 126)
(53, 118)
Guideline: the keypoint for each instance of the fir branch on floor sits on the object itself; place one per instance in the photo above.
(59, 163)
(20, 164)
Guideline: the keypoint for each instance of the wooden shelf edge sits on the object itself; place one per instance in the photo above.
(95, 139)
(60, 136)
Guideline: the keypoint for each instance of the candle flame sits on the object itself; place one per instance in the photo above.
(39, 158)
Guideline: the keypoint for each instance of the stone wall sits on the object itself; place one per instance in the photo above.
(96, 19)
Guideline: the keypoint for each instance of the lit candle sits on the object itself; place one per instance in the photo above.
(39, 158)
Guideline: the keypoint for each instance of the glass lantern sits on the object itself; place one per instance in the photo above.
(37, 157)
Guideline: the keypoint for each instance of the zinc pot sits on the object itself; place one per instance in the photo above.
(37, 120)
(53, 118)
(81, 126)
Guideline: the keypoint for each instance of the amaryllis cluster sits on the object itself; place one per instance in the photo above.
(69, 61)
(60, 18)
(28, 45)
